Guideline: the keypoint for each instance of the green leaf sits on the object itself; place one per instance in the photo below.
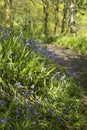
(0, 47)
(50, 71)
(1, 81)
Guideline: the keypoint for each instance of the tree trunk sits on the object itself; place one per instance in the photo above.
(32, 24)
(72, 18)
(56, 9)
(45, 22)
(64, 20)
(8, 6)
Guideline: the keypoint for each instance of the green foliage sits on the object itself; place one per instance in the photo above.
(34, 93)
(29, 16)
(50, 39)
(78, 43)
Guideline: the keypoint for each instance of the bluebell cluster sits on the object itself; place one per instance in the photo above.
(2, 102)
(72, 71)
(32, 106)
(45, 52)
(4, 32)
(33, 43)
(56, 58)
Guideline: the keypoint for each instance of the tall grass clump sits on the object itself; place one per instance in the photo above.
(77, 43)
(35, 94)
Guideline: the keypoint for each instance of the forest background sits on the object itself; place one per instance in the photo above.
(45, 18)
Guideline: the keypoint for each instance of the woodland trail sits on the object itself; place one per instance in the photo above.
(74, 62)
(77, 64)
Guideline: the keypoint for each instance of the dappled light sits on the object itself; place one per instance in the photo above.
(43, 65)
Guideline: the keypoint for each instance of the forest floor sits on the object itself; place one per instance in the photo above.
(73, 60)
(76, 61)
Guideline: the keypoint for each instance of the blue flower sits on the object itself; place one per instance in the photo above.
(63, 77)
(53, 77)
(61, 61)
(23, 111)
(34, 122)
(51, 112)
(16, 111)
(2, 102)
(4, 120)
(18, 85)
(31, 91)
(26, 95)
(17, 115)
(32, 86)
(17, 99)
(4, 35)
(4, 86)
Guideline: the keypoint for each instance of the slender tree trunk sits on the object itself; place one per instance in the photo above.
(72, 18)
(45, 22)
(8, 5)
(64, 20)
(56, 9)
(32, 24)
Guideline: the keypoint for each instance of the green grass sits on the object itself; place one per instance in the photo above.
(77, 43)
(35, 93)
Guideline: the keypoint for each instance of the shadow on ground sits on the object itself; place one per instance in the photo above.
(75, 63)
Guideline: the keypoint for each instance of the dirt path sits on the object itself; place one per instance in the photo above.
(74, 62)
(77, 65)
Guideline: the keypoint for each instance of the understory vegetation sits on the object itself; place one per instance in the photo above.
(39, 89)
(77, 43)
(36, 93)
